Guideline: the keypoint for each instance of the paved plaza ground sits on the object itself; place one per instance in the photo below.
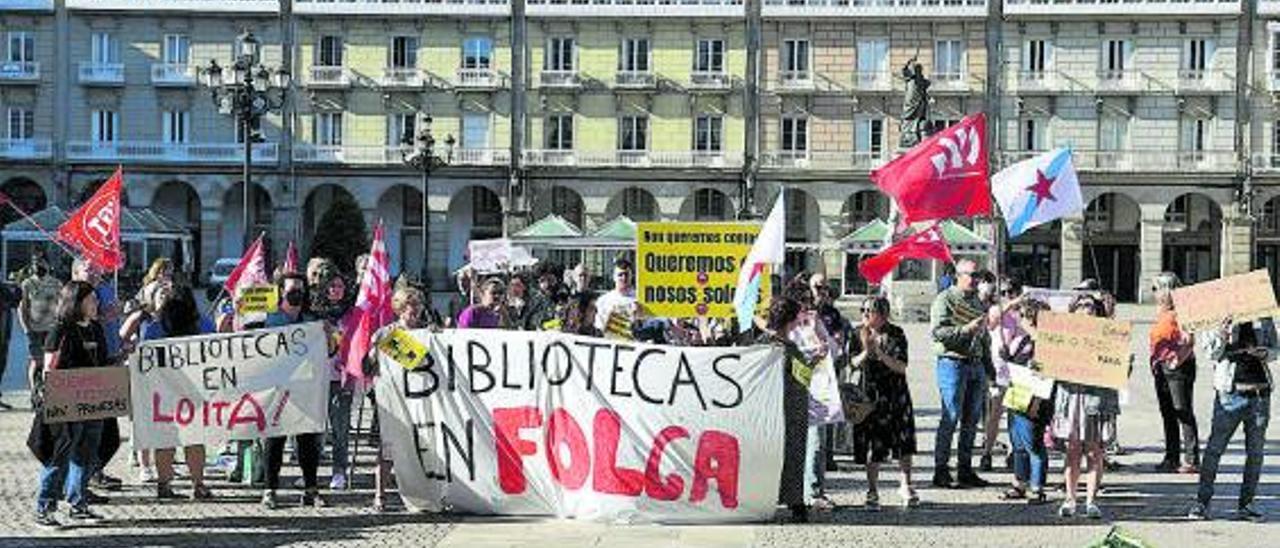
(1143, 504)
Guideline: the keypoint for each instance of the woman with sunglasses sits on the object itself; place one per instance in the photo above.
(879, 349)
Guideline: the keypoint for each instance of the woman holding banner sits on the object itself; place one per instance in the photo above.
(179, 316)
(1083, 416)
(76, 341)
(293, 287)
(330, 304)
(880, 350)
(784, 316)
(408, 304)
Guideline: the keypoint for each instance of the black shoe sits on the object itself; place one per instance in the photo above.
(1037, 498)
(942, 479)
(165, 491)
(102, 481)
(5, 407)
(1167, 467)
(799, 513)
(971, 480)
(984, 464)
(83, 516)
(93, 498)
(312, 499)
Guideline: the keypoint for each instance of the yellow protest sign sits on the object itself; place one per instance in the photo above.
(1241, 297)
(687, 270)
(258, 299)
(404, 348)
(1083, 349)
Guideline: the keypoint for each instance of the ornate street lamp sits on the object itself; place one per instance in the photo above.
(420, 153)
(248, 93)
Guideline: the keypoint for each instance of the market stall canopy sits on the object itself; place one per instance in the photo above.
(556, 232)
(870, 238)
(136, 225)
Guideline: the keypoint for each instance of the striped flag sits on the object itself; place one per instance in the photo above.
(291, 260)
(371, 312)
(251, 270)
(768, 249)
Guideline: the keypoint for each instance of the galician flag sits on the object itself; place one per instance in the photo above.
(769, 248)
(1037, 191)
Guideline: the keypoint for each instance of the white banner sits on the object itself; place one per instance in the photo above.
(230, 386)
(540, 423)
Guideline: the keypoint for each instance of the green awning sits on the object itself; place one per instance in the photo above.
(869, 238)
(551, 226)
(620, 228)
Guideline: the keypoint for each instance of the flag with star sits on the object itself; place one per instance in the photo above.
(1037, 191)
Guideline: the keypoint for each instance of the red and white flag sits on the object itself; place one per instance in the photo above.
(94, 229)
(929, 244)
(371, 312)
(291, 260)
(252, 269)
(944, 176)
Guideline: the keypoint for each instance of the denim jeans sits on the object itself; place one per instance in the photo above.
(962, 385)
(339, 425)
(69, 473)
(1229, 410)
(815, 463)
(1030, 457)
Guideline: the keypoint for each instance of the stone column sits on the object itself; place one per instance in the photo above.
(1237, 243)
(1150, 248)
(1071, 242)
(211, 224)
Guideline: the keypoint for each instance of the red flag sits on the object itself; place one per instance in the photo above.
(291, 259)
(944, 176)
(251, 270)
(929, 244)
(371, 312)
(94, 229)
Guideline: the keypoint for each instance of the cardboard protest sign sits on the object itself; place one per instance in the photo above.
(403, 348)
(1083, 349)
(247, 385)
(72, 395)
(1241, 297)
(258, 299)
(522, 423)
(687, 270)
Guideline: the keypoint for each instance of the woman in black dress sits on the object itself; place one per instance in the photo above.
(880, 351)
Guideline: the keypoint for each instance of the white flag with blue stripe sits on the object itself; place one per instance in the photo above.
(1037, 191)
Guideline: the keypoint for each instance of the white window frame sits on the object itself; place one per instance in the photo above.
(561, 54)
(944, 50)
(408, 53)
(708, 133)
(708, 56)
(633, 124)
(1197, 56)
(1037, 56)
(104, 49)
(1195, 134)
(1111, 64)
(793, 140)
(795, 58)
(176, 50)
(335, 46)
(631, 59)
(488, 129)
(23, 54)
(875, 49)
(396, 123)
(20, 124)
(175, 126)
(554, 132)
(865, 135)
(326, 129)
(104, 126)
(482, 62)
(1038, 128)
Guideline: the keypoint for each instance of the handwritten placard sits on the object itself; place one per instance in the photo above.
(1083, 349)
(259, 299)
(1241, 297)
(73, 395)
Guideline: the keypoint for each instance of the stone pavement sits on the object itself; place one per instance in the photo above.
(1142, 503)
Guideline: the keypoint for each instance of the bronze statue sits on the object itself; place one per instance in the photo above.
(915, 105)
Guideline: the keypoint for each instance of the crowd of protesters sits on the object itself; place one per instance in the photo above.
(981, 333)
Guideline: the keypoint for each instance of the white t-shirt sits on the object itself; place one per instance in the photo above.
(611, 301)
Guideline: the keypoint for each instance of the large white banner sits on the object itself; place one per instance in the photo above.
(539, 423)
(230, 386)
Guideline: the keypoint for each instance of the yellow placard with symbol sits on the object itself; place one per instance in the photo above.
(689, 270)
(404, 348)
(258, 299)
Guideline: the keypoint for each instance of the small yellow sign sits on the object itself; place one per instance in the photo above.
(258, 299)
(404, 348)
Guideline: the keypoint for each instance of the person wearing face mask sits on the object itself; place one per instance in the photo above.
(37, 312)
(330, 304)
(957, 322)
(292, 311)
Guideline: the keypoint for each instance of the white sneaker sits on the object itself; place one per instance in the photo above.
(338, 482)
(1068, 509)
(1092, 511)
(146, 474)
